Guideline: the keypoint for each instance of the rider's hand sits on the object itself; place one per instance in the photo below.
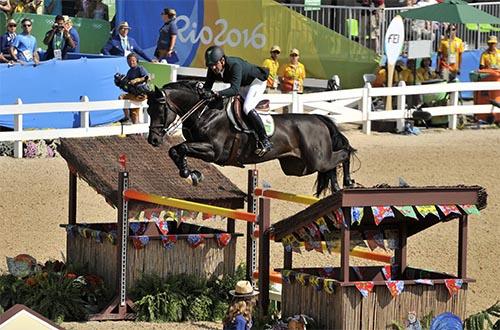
(208, 95)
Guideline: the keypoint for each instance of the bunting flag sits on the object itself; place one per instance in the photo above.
(395, 287)
(365, 288)
(207, 216)
(329, 286)
(188, 215)
(424, 281)
(339, 215)
(470, 209)
(138, 228)
(140, 242)
(449, 209)
(323, 227)
(316, 282)
(316, 231)
(331, 242)
(96, 235)
(424, 210)
(287, 243)
(356, 214)
(374, 238)
(162, 226)
(168, 241)
(111, 238)
(453, 285)
(195, 240)
(381, 212)
(302, 278)
(386, 270)
(304, 235)
(223, 239)
(407, 211)
(285, 275)
(171, 215)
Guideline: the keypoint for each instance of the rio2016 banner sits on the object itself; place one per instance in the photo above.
(248, 29)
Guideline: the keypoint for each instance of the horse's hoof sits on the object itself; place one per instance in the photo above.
(349, 184)
(184, 173)
(196, 177)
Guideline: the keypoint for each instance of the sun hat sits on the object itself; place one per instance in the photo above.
(11, 22)
(67, 19)
(124, 25)
(294, 51)
(492, 40)
(275, 48)
(243, 289)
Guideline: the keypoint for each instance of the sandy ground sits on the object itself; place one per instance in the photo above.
(33, 202)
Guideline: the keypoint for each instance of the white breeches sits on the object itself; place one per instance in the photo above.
(252, 94)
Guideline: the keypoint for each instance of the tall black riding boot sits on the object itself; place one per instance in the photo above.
(258, 126)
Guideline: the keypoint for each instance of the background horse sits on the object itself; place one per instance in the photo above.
(303, 143)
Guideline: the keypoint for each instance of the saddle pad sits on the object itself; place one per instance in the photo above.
(268, 121)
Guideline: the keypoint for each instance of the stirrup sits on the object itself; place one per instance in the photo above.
(262, 149)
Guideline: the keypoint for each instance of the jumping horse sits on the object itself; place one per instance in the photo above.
(302, 143)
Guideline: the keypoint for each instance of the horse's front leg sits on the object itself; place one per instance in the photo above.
(346, 169)
(200, 150)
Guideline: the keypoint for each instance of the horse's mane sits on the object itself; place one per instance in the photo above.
(189, 85)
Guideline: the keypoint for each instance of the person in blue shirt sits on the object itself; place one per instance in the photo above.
(165, 46)
(23, 47)
(68, 25)
(6, 41)
(52, 7)
(135, 84)
(239, 314)
(58, 40)
(122, 45)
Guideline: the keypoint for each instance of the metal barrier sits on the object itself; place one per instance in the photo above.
(367, 26)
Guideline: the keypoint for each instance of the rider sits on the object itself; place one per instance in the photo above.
(246, 79)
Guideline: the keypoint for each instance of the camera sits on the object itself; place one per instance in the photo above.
(58, 26)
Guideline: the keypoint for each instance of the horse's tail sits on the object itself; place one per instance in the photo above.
(328, 180)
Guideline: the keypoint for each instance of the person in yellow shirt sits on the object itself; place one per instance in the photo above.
(406, 74)
(381, 75)
(450, 53)
(425, 72)
(273, 65)
(490, 58)
(292, 74)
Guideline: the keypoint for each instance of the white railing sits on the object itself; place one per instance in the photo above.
(337, 105)
(84, 107)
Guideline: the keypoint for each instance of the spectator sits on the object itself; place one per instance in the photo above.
(27, 6)
(273, 65)
(425, 72)
(69, 7)
(423, 29)
(407, 74)
(381, 75)
(122, 45)
(23, 47)
(136, 79)
(7, 38)
(98, 10)
(292, 74)
(165, 46)
(68, 25)
(370, 27)
(52, 7)
(450, 54)
(58, 40)
(490, 58)
(5, 6)
(239, 314)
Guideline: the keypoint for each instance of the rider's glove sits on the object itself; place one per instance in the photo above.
(208, 95)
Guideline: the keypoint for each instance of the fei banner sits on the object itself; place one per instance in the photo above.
(248, 29)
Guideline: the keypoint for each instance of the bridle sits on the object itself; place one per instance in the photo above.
(162, 129)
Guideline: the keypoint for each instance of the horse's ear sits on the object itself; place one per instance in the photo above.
(159, 95)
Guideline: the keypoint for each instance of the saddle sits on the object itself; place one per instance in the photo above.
(237, 118)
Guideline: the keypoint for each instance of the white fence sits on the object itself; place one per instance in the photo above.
(344, 106)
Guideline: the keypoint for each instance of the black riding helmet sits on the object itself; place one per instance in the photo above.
(213, 54)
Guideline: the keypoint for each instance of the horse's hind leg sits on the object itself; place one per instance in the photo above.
(346, 169)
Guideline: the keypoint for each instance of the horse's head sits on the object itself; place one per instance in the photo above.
(161, 116)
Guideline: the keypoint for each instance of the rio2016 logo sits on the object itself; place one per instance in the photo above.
(230, 37)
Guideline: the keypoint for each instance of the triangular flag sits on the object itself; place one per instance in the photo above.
(329, 286)
(395, 287)
(381, 212)
(162, 226)
(453, 285)
(386, 270)
(223, 239)
(407, 211)
(356, 214)
(140, 242)
(449, 209)
(470, 209)
(339, 215)
(424, 210)
(364, 288)
(195, 240)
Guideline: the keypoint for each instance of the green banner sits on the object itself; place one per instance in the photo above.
(161, 72)
(93, 33)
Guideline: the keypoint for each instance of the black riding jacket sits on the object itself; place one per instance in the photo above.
(238, 73)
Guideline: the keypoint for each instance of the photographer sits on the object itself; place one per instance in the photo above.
(58, 40)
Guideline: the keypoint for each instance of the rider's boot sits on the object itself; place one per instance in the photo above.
(258, 126)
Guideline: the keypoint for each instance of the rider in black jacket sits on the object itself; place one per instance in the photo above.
(246, 79)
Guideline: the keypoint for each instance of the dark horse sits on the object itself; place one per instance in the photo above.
(302, 143)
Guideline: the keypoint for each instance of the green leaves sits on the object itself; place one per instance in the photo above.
(483, 320)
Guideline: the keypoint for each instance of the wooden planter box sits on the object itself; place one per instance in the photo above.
(347, 309)
(205, 261)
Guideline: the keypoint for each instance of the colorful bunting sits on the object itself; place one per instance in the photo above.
(374, 238)
(449, 209)
(316, 282)
(195, 240)
(207, 216)
(96, 235)
(223, 239)
(162, 226)
(285, 275)
(168, 241)
(140, 242)
(302, 278)
(329, 286)
(339, 215)
(365, 288)
(138, 228)
(395, 287)
(453, 285)
(386, 270)
(111, 238)
(381, 212)
(356, 214)
(315, 232)
(470, 209)
(424, 210)
(331, 242)
(407, 211)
